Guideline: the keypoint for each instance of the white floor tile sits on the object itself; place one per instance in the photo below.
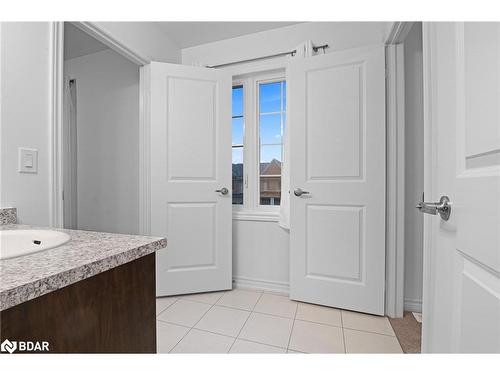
(366, 322)
(162, 303)
(197, 341)
(366, 342)
(311, 337)
(168, 335)
(210, 298)
(275, 304)
(184, 312)
(223, 320)
(240, 299)
(319, 314)
(267, 329)
(243, 346)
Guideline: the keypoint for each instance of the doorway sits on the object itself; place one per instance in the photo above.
(100, 132)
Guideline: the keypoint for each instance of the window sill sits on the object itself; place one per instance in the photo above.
(256, 216)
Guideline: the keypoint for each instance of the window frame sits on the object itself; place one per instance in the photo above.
(239, 83)
(251, 146)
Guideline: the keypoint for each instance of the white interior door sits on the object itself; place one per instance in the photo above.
(190, 129)
(337, 138)
(462, 255)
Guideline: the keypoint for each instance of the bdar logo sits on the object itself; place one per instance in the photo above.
(24, 346)
(8, 346)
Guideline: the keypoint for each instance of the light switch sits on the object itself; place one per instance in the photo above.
(28, 160)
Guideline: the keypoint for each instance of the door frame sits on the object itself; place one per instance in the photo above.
(429, 168)
(56, 111)
(395, 184)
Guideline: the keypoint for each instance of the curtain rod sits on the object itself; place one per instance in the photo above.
(292, 53)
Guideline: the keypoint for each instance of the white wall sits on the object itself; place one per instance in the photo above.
(145, 38)
(261, 249)
(414, 168)
(339, 35)
(107, 88)
(25, 93)
(25, 90)
(260, 255)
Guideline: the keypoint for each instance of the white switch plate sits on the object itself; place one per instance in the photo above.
(27, 160)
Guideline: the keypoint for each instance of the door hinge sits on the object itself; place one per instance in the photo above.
(246, 181)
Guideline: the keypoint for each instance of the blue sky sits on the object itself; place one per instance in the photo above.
(270, 123)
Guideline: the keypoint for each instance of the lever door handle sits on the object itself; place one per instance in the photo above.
(299, 192)
(443, 207)
(223, 191)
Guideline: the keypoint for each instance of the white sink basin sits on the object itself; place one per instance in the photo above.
(16, 243)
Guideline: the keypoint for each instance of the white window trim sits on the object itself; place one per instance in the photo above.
(251, 209)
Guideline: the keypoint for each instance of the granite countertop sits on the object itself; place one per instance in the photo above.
(85, 255)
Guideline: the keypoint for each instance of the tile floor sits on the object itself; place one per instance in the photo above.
(249, 321)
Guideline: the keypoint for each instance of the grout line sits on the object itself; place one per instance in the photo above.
(373, 333)
(235, 338)
(299, 352)
(258, 312)
(343, 333)
(261, 343)
(178, 341)
(206, 312)
(218, 299)
(263, 313)
(239, 308)
(173, 303)
(186, 298)
(192, 300)
(256, 302)
(325, 324)
(175, 324)
(204, 330)
(293, 325)
(244, 324)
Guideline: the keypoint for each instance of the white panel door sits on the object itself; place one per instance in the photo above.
(190, 160)
(337, 134)
(461, 305)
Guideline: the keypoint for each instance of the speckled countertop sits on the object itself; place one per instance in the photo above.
(85, 255)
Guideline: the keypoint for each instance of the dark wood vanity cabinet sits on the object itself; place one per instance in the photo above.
(111, 312)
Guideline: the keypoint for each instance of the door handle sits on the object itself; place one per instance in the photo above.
(299, 192)
(443, 207)
(223, 191)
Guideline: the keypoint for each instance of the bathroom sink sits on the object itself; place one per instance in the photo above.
(16, 243)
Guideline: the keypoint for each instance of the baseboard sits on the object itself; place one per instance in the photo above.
(413, 305)
(259, 284)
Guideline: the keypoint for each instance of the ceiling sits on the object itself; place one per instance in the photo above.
(189, 34)
(77, 43)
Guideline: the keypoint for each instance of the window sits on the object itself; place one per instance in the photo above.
(238, 131)
(258, 122)
(272, 104)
